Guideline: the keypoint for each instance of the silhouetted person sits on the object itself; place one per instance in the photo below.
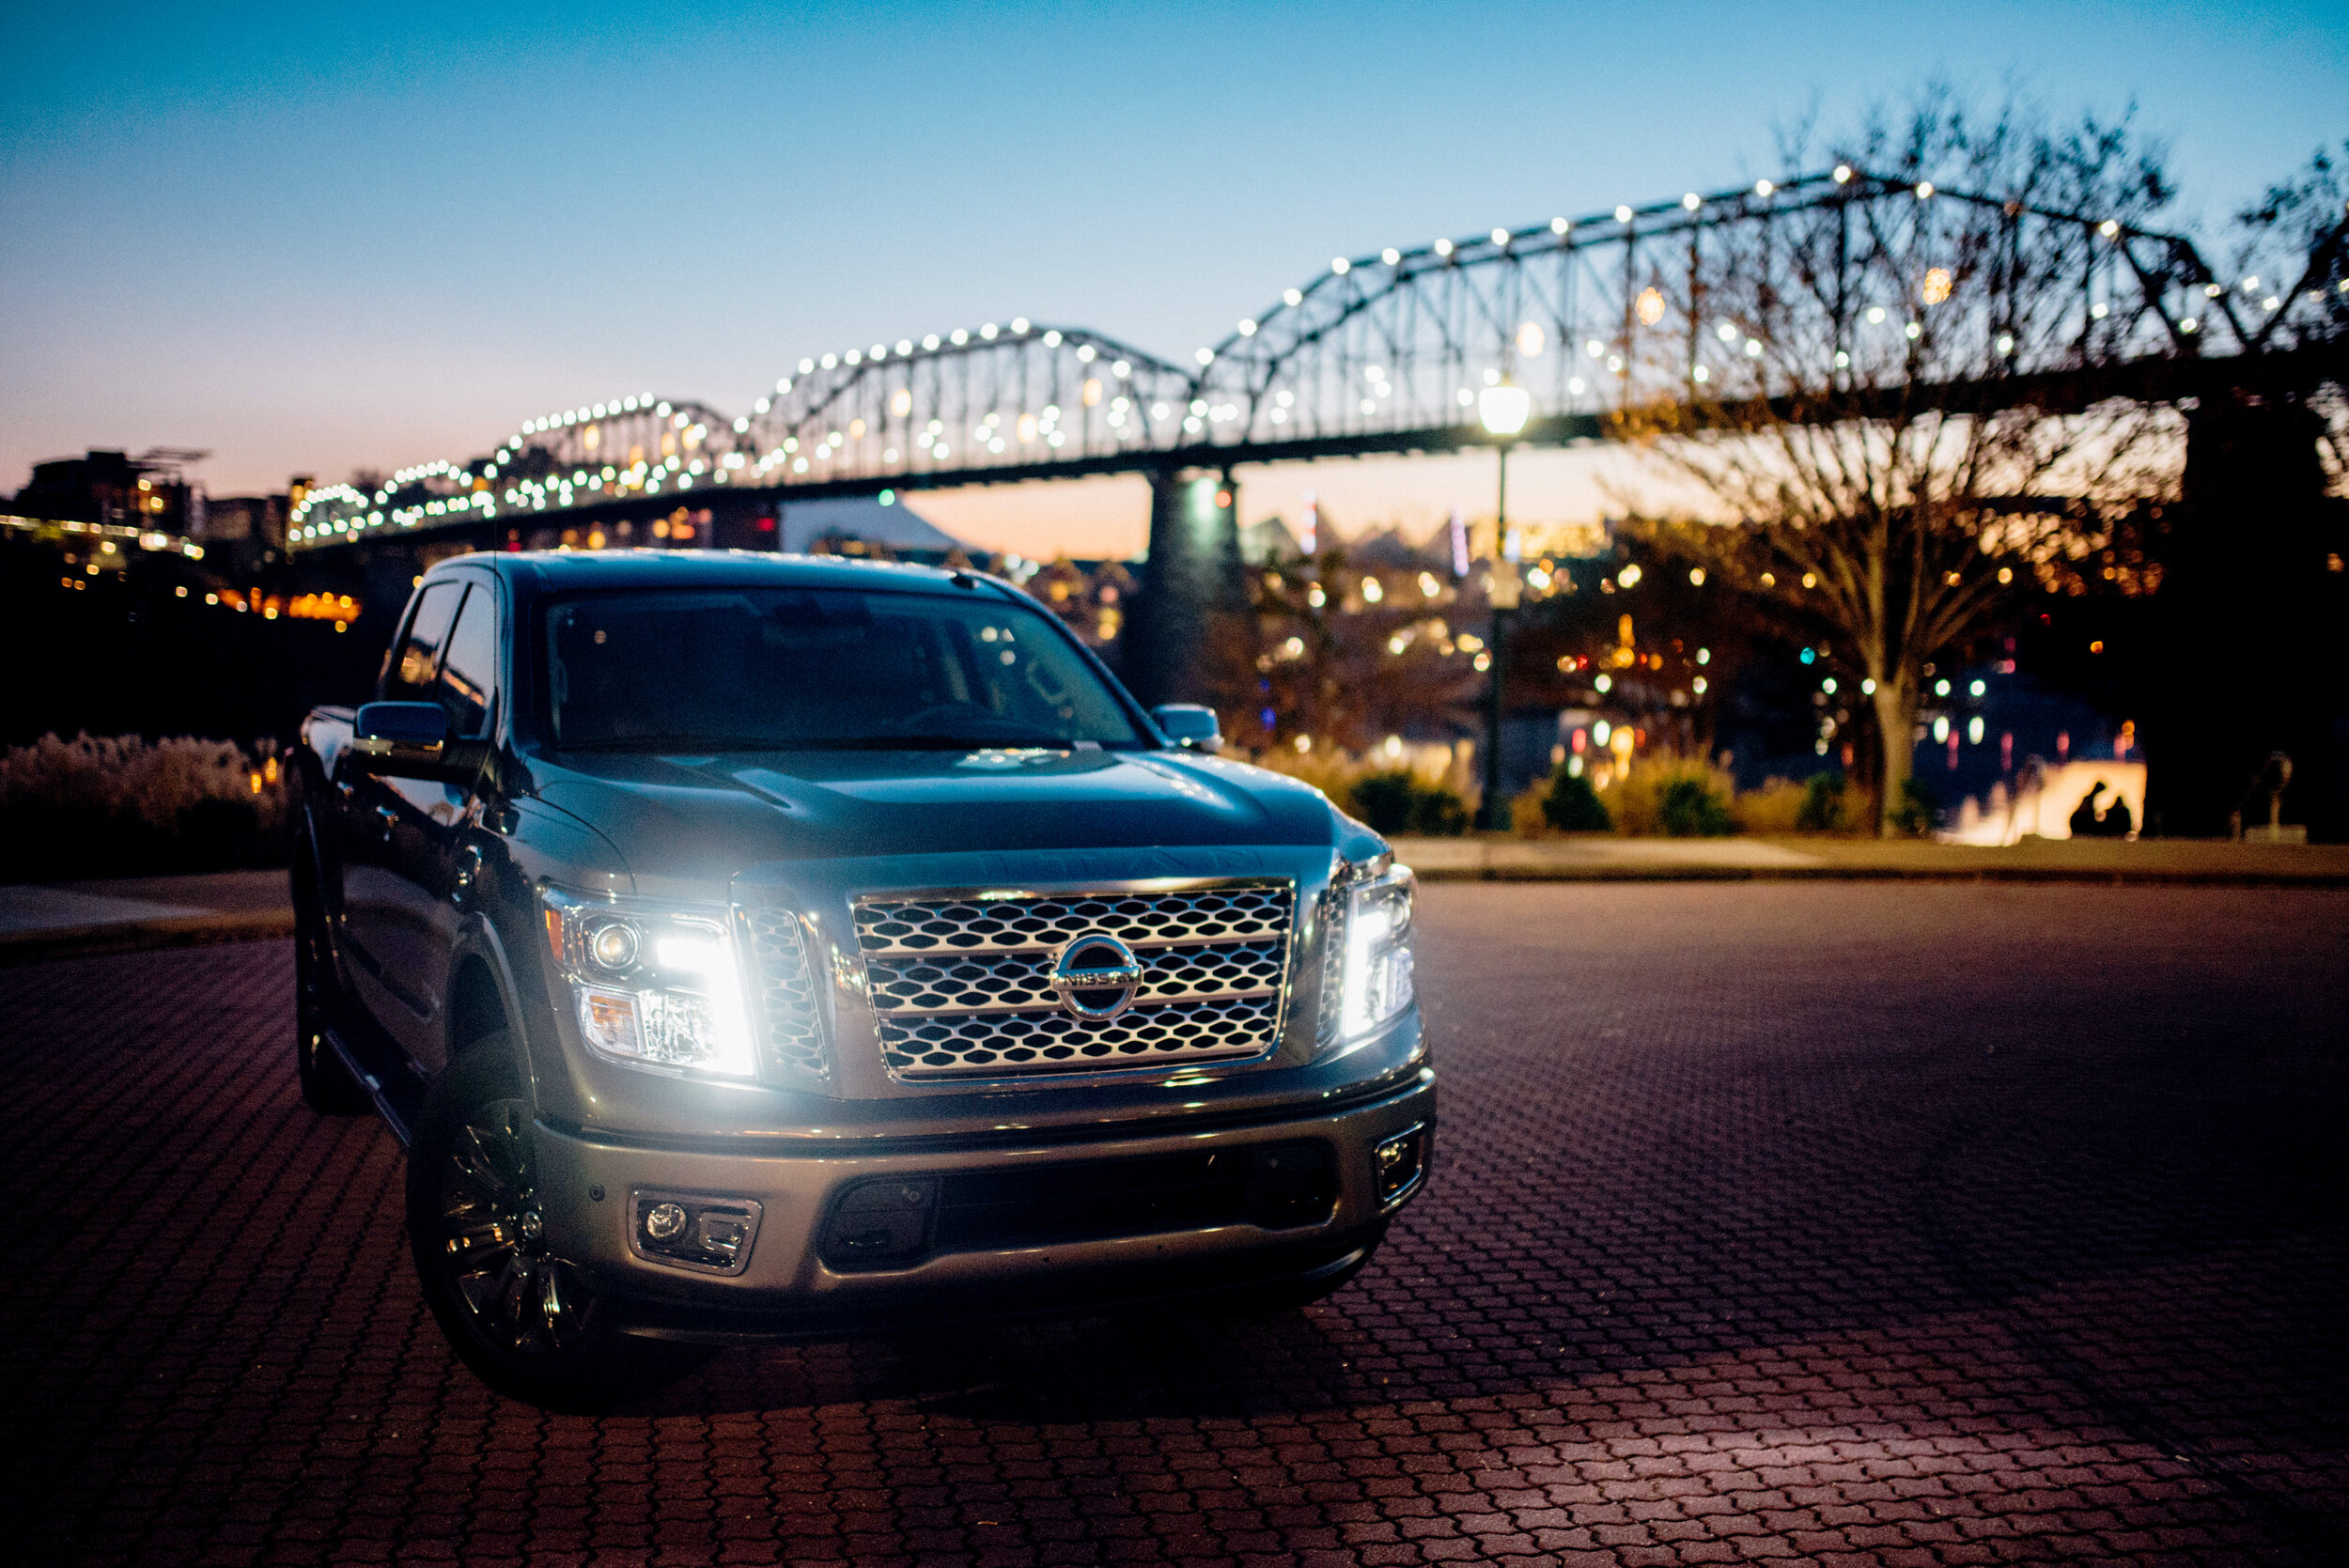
(2117, 821)
(2084, 820)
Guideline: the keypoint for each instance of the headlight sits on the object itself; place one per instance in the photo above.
(1366, 969)
(653, 987)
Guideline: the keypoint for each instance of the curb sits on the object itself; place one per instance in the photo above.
(143, 936)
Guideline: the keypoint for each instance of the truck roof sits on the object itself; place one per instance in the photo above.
(564, 570)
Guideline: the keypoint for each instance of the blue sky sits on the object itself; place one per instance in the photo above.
(319, 236)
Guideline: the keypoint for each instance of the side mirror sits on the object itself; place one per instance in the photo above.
(1189, 725)
(403, 740)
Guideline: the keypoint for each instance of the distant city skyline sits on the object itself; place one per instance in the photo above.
(315, 243)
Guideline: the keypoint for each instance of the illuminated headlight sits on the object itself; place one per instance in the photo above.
(653, 987)
(1375, 947)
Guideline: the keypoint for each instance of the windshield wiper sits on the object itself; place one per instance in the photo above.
(678, 743)
(938, 743)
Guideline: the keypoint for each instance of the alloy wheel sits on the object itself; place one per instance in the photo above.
(520, 1298)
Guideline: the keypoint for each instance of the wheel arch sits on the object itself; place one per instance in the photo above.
(483, 998)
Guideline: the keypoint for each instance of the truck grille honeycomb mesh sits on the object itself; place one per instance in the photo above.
(972, 926)
(791, 1031)
(959, 987)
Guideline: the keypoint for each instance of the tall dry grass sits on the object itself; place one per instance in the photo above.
(121, 805)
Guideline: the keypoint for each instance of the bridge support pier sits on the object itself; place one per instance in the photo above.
(1189, 638)
(2253, 650)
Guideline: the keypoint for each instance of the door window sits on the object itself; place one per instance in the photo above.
(415, 669)
(469, 670)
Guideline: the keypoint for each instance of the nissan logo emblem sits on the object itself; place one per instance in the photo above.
(1096, 967)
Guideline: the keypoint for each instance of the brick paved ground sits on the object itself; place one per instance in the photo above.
(1841, 1222)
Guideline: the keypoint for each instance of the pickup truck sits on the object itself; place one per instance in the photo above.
(752, 947)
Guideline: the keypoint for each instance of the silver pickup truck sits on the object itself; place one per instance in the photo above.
(755, 947)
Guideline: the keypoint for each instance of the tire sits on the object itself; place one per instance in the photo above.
(522, 1318)
(327, 1086)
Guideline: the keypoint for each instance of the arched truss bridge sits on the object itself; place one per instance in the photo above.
(1745, 293)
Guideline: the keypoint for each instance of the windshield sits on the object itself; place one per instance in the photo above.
(783, 669)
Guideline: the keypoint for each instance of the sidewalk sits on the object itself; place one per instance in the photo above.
(1603, 858)
(123, 914)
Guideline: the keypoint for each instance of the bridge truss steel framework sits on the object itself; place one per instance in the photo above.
(1386, 353)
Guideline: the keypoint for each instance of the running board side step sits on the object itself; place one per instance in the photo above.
(397, 1097)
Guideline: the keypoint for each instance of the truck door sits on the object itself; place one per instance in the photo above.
(431, 830)
(373, 808)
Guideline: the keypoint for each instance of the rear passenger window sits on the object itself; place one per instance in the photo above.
(414, 675)
(469, 671)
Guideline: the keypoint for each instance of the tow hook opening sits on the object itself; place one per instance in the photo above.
(882, 1221)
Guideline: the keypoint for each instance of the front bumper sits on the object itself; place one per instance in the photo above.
(791, 1282)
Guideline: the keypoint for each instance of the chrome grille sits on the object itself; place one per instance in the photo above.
(791, 1031)
(960, 987)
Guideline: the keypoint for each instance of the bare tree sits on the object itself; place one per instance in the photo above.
(1346, 663)
(1873, 398)
(2291, 281)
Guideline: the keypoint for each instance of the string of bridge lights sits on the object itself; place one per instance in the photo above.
(684, 460)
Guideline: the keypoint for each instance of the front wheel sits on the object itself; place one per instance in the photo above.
(516, 1314)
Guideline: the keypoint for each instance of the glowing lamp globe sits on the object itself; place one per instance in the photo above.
(1504, 408)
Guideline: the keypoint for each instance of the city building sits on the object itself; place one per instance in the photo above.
(149, 492)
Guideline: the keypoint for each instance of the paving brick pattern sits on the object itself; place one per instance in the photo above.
(1844, 1223)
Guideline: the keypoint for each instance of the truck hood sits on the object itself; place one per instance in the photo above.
(711, 817)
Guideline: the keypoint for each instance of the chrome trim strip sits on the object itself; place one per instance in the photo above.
(1139, 944)
(896, 1015)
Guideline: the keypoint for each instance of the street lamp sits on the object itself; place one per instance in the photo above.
(1502, 406)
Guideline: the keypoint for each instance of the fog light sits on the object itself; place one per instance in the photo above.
(1402, 1164)
(713, 1234)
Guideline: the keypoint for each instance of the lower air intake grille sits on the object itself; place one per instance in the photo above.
(960, 988)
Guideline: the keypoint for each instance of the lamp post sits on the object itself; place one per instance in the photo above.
(1502, 406)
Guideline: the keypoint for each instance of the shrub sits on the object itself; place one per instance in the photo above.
(1384, 801)
(1827, 805)
(1690, 807)
(1437, 812)
(1775, 808)
(1636, 800)
(1914, 815)
(1395, 800)
(1572, 806)
(1331, 772)
(119, 805)
(1526, 818)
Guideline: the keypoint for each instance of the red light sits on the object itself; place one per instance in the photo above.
(1224, 498)
(766, 525)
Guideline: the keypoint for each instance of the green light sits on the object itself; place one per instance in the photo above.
(889, 498)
